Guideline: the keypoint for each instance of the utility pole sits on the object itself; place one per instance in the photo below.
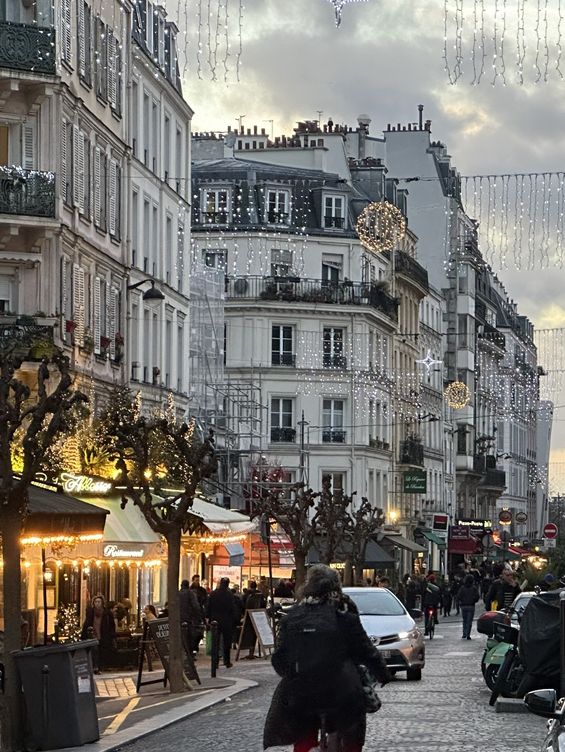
(303, 475)
(240, 121)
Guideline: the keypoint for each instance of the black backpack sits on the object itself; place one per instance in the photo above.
(315, 643)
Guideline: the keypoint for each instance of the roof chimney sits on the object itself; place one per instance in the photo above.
(420, 115)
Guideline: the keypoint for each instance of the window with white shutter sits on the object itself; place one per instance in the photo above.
(66, 44)
(97, 322)
(87, 178)
(97, 186)
(81, 38)
(112, 196)
(119, 75)
(88, 44)
(64, 136)
(76, 158)
(78, 304)
(28, 146)
(111, 65)
(112, 319)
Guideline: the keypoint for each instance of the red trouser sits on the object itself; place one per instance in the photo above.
(311, 742)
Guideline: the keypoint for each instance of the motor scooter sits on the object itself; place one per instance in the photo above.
(495, 652)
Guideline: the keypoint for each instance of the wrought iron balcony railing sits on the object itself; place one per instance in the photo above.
(283, 434)
(333, 436)
(27, 192)
(334, 360)
(283, 359)
(411, 453)
(25, 47)
(336, 222)
(296, 289)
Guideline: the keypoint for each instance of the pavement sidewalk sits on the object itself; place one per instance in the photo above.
(125, 715)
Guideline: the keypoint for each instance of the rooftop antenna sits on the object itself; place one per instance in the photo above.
(320, 113)
(240, 119)
(271, 122)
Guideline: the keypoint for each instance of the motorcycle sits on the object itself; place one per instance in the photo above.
(511, 671)
(495, 652)
(544, 702)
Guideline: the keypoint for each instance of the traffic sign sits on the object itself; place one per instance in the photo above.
(550, 531)
(550, 543)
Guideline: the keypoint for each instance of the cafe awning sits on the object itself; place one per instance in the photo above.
(54, 515)
(127, 525)
(433, 538)
(399, 541)
(235, 554)
(218, 519)
(463, 545)
(375, 555)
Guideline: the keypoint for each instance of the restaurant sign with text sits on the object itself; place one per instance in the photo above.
(415, 481)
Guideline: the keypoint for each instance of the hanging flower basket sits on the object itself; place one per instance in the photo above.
(70, 326)
(105, 343)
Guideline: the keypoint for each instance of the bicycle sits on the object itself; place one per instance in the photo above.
(329, 742)
(430, 623)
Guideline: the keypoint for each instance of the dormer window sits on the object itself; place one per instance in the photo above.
(334, 212)
(278, 207)
(215, 206)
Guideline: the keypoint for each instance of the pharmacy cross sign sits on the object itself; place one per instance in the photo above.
(428, 362)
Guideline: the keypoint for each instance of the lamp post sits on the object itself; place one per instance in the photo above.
(153, 296)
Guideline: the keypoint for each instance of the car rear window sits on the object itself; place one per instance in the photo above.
(377, 603)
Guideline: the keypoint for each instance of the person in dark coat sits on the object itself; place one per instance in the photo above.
(502, 591)
(192, 614)
(221, 609)
(252, 600)
(99, 624)
(201, 592)
(468, 596)
(303, 695)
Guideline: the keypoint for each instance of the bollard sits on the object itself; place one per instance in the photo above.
(45, 699)
(215, 654)
(562, 643)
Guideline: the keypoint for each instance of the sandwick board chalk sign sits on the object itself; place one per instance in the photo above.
(156, 631)
(256, 628)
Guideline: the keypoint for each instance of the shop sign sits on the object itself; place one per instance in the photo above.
(521, 517)
(459, 532)
(232, 573)
(415, 481)
(440, 523)
(116, 551)
(476, 526)
(84, 484)
(505, 516)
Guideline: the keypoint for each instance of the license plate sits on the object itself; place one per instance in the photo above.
(386, 653)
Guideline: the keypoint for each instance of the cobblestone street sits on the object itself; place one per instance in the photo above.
(447, 710)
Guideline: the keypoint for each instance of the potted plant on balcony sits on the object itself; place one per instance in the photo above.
(41, 319)
(105, 343)
(88, 342)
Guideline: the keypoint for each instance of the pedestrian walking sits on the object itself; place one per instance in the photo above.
(99, 623)
(321, 644)
(467, 597)
(502, 591)
(221, 609)
(191, 614)
(446, 599)
(455, 585)
(201, 592)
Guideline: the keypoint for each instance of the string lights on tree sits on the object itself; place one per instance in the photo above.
(380, 226)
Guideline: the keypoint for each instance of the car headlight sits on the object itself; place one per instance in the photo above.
(413, 634)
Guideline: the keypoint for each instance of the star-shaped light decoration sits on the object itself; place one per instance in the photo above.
(428, 362)
(338, 7)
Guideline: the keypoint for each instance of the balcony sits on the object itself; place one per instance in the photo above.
(283, 434)
(485, 464)
(334, 360)
(493, 336)
(277, 217)
(27, 192)
(411, 452)
(333, 436)
(409, 267)
(297, 290)
(283, 359)
(24, 47)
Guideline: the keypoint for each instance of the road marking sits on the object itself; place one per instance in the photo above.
(122, 716)
(456, 655)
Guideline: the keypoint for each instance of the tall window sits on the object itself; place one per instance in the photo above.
(281, 349)
(281, 420)
(278, 207)
(332, 267)
(332, 422)
(336, 481)
(216, 206)
(281, 262)
(216, 259)
(334, 212)
(5, 294)
(333, 348)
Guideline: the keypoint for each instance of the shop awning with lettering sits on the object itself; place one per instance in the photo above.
(433, 538)
(218, 519)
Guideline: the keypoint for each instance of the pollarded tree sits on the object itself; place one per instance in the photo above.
(153, 454)
(36, 408)
(331, 522)
(365, 522)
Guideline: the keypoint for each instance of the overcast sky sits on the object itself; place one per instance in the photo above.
(384, 60)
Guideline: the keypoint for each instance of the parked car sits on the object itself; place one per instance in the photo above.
(392, 629)
(544, 702)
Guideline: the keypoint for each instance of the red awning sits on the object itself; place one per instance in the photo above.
(463, 546)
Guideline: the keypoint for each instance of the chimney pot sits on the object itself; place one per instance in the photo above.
(254, 130)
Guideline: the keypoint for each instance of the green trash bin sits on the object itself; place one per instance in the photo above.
(59, 695)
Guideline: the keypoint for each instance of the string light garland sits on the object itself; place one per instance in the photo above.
(380, 226)
(457, 395)
(491, 29)
(339, 6)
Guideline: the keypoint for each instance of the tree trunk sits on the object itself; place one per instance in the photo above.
(176, 680)
(11, 732)
(348, 573)
(358, 574)
(300, 564)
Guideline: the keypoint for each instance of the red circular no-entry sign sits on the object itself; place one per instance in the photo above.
(550, 531)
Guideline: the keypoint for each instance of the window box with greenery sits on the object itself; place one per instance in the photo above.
(42, 349)
(105, 343)
(88, 342)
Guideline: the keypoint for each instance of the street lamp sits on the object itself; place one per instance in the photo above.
(153, 295)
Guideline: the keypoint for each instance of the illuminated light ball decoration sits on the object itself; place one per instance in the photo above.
(457, 395)
(380, 226)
